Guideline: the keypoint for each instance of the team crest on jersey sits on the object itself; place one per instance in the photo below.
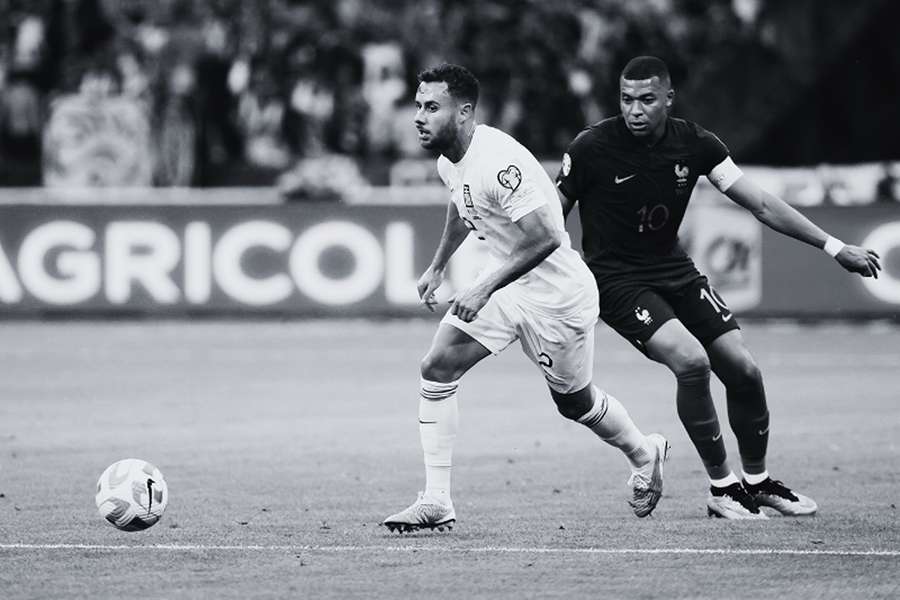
(510, 177)
(643, 315)
(681, 177)
(566, 164)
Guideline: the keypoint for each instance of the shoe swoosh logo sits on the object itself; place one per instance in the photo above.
(624, 179)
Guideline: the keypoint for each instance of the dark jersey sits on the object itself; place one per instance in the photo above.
(632, 198)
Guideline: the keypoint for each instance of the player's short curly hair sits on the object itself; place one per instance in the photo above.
(461, 84)
(646, 67)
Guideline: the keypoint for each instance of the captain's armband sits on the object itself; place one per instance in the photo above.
(724, 174)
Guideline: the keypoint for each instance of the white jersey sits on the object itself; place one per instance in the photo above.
(496, 183)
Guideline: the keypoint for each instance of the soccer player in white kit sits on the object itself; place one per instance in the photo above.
(535, 289)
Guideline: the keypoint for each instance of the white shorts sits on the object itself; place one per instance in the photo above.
(558, 339)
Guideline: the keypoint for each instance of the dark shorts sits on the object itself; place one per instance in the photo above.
(637, 310)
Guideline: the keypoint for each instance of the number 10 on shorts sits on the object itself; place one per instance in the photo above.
(711, 296)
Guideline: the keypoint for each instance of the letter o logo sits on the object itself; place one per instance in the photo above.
(883, 239)
(367, 273)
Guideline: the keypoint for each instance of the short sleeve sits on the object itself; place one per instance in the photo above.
(711, 151)
(514, 187)
(572, 179)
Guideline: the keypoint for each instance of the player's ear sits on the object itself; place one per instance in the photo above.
(466, 110)
(670, 97)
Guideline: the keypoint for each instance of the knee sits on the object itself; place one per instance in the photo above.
(439, 366)
(692, 366)
(574, 406)
(745, 374)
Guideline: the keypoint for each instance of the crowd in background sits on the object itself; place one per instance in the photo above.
(237, 92)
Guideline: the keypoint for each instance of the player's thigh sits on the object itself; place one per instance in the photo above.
(676, 347)
(731, 359)
(635, 313)
(452, 353)
(457, 345)
(562, 347)
(703, 311)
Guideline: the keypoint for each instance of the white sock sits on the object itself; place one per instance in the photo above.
(755, 478)
(610, 421)
(725, 481)
(438, 422)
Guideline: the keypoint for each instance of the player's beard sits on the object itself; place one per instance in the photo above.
(441, 139)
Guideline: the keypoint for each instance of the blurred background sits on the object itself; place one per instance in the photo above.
(230, 93)
(307, 102)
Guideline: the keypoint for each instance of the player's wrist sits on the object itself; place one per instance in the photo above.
(833, 246)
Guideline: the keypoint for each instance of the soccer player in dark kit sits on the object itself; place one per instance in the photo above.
(632, 176)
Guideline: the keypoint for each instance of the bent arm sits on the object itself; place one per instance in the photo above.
(539, 241)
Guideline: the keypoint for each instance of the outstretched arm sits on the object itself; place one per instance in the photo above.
(540, 239)
(778, 215)
(454, 234)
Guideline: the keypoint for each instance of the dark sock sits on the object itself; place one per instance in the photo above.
(698, 415)
(749, 419)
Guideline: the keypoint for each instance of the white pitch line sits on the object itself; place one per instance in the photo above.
(460, 550)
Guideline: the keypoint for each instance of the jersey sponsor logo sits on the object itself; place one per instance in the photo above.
(619, 180)
(566, 164)
(643, 315)
(510, 177)
(717, 437)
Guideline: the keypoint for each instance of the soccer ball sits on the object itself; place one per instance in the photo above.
(132, 494)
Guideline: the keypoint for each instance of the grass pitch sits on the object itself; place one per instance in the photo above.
(285, 444)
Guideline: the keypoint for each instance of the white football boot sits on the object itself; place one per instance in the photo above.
(774, 494)
(647, 482)
(425, 513)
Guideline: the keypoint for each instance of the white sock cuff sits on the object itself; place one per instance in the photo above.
(435, 390)
(755, 478)
(725, 481)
